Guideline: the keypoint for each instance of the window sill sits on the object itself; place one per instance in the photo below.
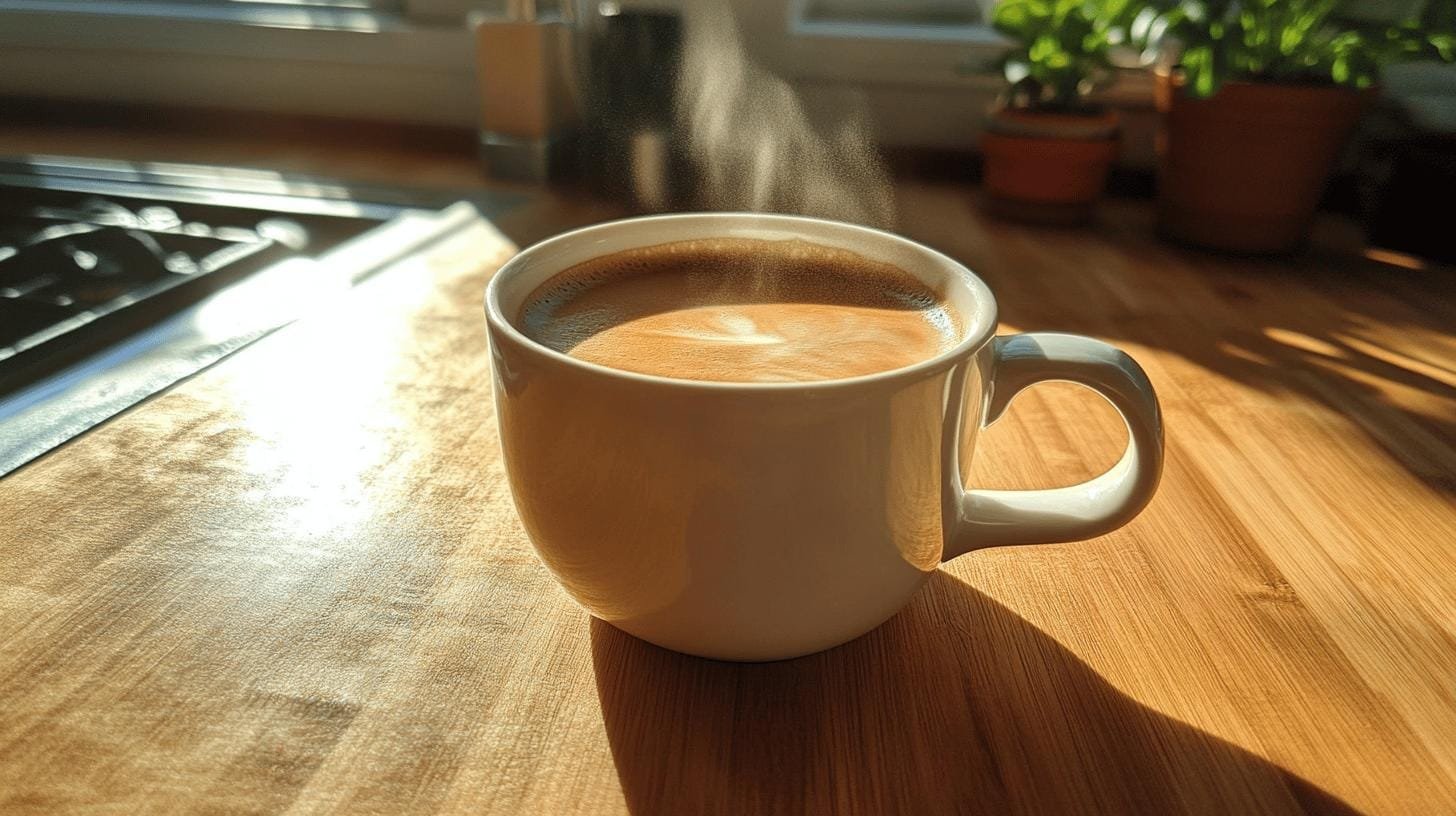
(900, 32)
(333, 62)
(274, 16)
(925, 85)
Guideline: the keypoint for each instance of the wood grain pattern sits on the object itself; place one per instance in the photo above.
(295, 582)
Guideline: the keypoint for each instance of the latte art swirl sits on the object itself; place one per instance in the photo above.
(740, 310)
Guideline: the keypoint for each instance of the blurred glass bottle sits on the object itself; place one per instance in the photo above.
(630, 147)
(526, 72)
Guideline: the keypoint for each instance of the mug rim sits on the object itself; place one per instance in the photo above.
(975, 337)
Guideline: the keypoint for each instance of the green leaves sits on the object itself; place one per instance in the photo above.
(1285, 40)
(1198, 62)
(1444, 46)
(1061, 47)
(1014, 17)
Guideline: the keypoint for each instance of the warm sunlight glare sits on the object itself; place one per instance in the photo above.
(319, 424)
(1303, 342)
(1393, 258)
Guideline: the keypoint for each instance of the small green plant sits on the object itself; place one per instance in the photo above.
(1059, 50)
(1291, 41)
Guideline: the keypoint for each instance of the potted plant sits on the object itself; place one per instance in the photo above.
(1260, 99)
(1047, 148)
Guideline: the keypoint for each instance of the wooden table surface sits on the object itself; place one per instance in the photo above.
(295, 583)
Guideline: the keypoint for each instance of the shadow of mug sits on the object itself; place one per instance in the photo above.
(956, 705)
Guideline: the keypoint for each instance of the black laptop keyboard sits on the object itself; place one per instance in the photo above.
(78, 271)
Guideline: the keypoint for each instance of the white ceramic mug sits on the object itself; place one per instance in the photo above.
(749, 521)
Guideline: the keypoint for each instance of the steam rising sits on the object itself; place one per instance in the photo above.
(753, 143)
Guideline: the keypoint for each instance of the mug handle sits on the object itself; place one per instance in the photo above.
(995, 518)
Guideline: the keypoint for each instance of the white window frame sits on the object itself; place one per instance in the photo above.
(358, 63)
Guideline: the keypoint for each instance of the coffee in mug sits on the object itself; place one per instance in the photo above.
(741, 310)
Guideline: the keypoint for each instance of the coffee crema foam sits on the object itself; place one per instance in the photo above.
(741, 310)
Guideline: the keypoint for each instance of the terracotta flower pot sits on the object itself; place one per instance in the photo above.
(1244, 169)
(1047, 167)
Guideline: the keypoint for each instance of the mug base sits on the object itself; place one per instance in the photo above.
(748, 654)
